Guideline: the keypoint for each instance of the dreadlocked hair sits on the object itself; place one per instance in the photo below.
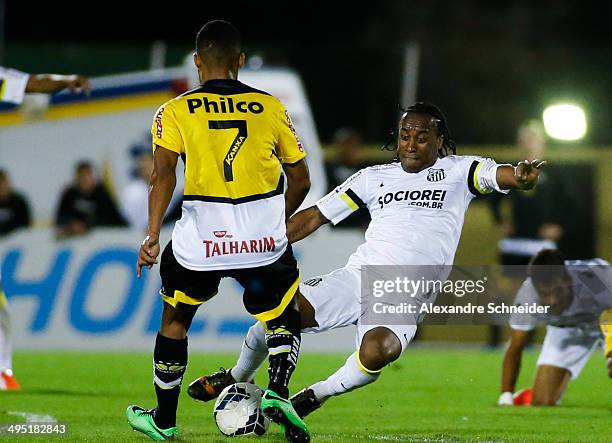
(449, 147)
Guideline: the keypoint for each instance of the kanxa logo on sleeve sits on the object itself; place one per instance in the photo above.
(158, 123)
(435, 175)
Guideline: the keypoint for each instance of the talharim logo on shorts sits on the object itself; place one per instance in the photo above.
(215, 248)
(435, 175)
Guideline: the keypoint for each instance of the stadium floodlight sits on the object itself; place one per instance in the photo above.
(565, 122)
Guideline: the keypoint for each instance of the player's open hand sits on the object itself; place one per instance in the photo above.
(527, 172)
(147, 256)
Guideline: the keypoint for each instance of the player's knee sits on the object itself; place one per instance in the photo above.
(379, 348)
(544, 399)
(176, 320)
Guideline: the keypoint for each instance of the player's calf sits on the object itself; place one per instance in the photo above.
(283, 342)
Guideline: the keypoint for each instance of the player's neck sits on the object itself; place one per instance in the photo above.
(218, 74)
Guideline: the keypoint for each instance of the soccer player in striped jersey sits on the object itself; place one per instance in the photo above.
(13, 86)
(578, 295)
(417, 205)
(235, 142)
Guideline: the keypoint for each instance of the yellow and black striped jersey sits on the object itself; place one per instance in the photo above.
(233, 140)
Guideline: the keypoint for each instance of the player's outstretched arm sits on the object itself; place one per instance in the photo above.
(512, 365)
(50, 83)
(304, 223)
(523, 176)
(163, 181)
(298, 185)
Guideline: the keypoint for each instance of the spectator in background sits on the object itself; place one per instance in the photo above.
(14, 208)
(535, 219)
(134, 199)
(347, 158)
(85, 204)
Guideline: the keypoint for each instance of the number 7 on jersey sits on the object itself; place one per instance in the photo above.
(236, 144)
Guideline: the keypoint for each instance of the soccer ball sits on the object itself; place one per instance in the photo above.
(238, 411)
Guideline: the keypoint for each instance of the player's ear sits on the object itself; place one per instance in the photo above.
(241, 60)
(197, 60)
(440, 142)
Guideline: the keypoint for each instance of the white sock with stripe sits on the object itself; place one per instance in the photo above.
(253, 353)
(350, 376)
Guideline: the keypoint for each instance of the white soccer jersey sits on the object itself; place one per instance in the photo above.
(592, 294)
(12, 85)
(416, 217)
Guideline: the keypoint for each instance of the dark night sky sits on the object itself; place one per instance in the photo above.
(489, 65)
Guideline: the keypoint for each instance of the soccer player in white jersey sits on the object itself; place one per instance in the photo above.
(578, 295)
(417, 205)
(13, 86)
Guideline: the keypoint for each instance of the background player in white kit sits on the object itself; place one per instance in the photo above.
(579, 296)
(417, 205)
(13, 86)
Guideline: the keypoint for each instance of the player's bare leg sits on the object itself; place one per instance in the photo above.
(252, 355)
(283, 336)
(549, 385)
(169, 364)
(379, 347)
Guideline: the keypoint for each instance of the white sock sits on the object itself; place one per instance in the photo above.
(350, 376)
(5, 337)
(253, 353)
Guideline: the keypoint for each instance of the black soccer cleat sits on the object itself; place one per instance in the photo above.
(305, 402)
(208, 387)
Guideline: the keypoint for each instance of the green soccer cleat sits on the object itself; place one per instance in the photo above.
(142, 420)
(280, 411)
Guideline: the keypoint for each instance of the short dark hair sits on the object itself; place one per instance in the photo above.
(546, 266)
(218, 40)
(82, 165)
(448, 145)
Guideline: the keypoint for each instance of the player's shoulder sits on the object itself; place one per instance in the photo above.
(527, 291)
(382, 168)
(462, 159)
(169, 104)
(596, 261)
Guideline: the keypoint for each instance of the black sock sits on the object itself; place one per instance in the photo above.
(169, 363)
(283, 341)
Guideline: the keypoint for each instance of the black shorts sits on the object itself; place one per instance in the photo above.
(267, 289)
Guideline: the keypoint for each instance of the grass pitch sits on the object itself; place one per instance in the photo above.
(428, 396)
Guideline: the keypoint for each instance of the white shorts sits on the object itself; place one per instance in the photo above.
(569, 348)
(336, 299)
